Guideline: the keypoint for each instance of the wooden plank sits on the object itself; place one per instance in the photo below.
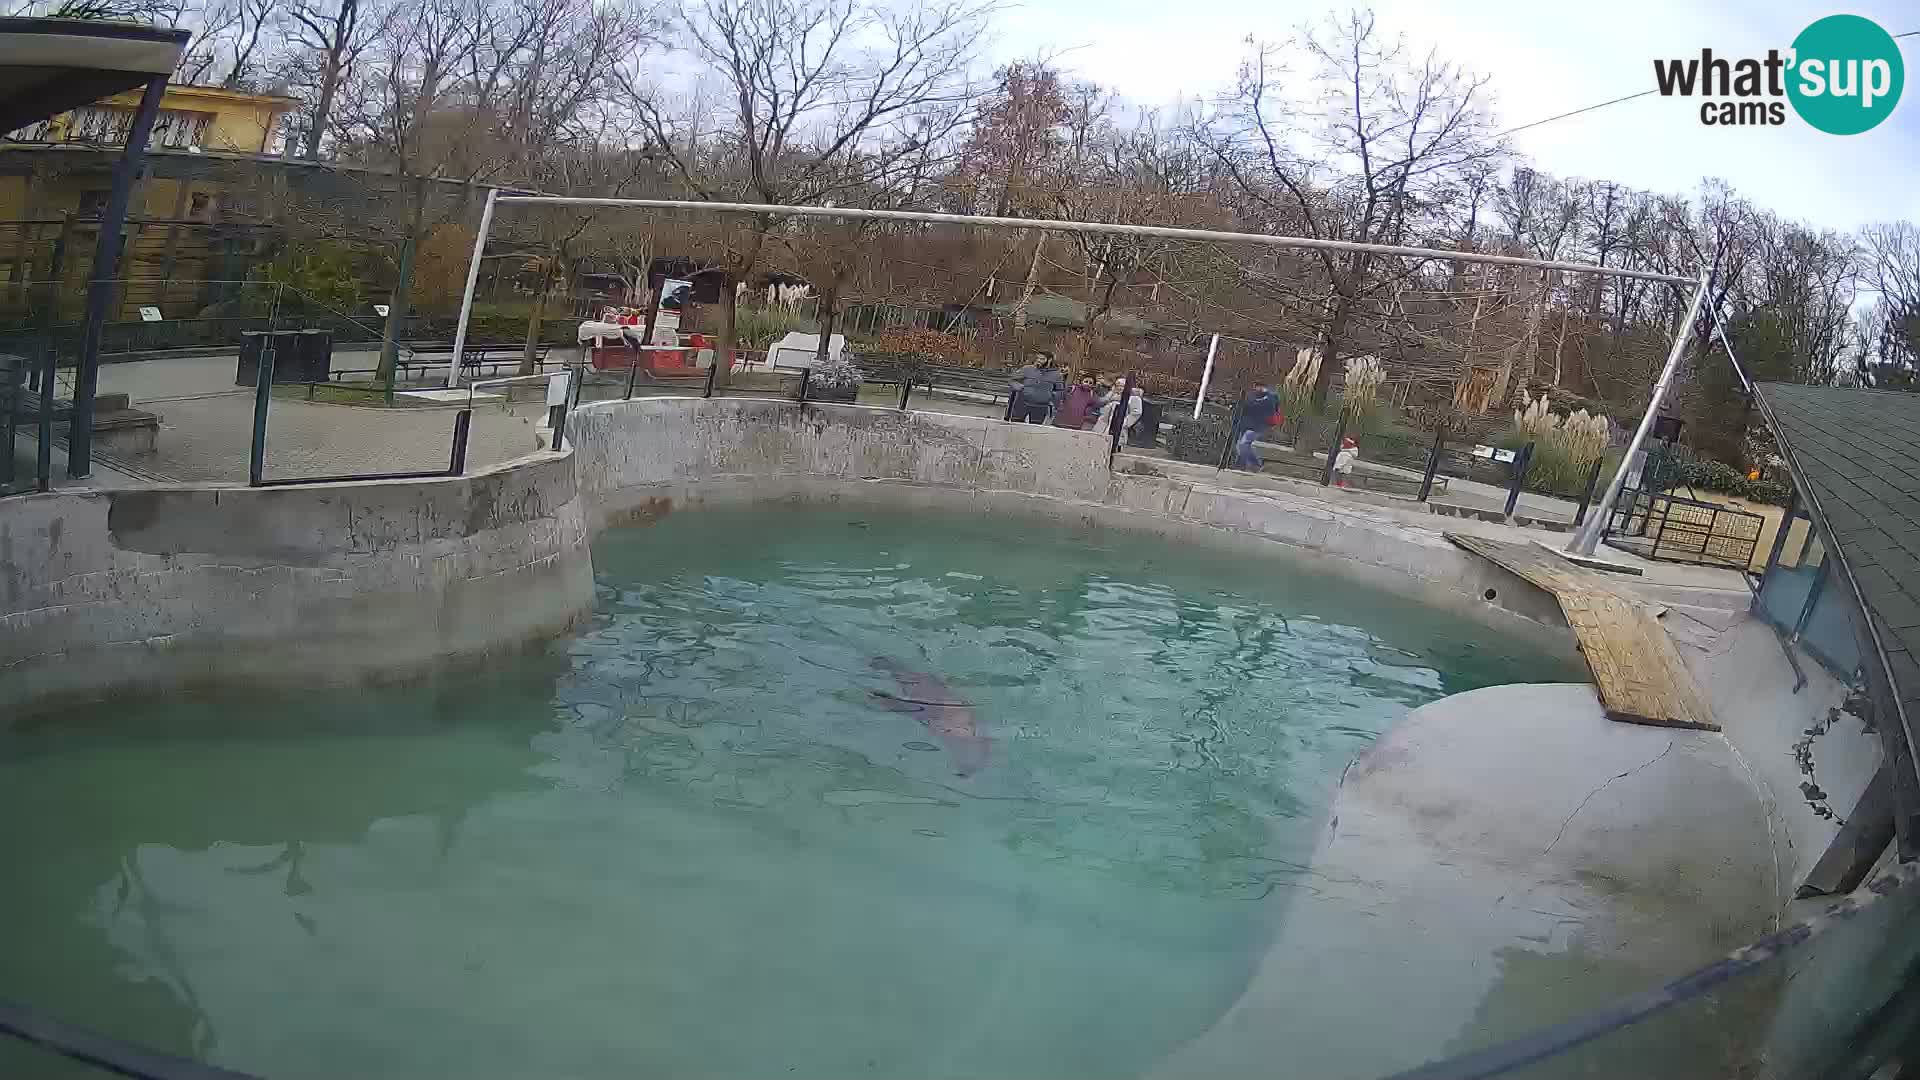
(1641, 677)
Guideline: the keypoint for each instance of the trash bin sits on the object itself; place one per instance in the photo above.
(313, 358)
(1146, 430)
(299, 356)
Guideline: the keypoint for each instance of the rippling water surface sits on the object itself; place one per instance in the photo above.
(817, 793)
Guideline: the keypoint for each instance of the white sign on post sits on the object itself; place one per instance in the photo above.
(557, 388)
(149, 314)
(381, 310)
(675, 294)
(1492, 454)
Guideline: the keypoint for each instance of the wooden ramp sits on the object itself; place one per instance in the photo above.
(1641, 677)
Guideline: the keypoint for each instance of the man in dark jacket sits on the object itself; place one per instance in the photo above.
(1260, 412)
(1036, 388)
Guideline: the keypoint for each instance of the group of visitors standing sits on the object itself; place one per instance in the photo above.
(1042, 394)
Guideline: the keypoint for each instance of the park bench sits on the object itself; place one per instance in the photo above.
(477, 361)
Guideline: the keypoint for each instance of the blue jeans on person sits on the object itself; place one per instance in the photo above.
(1024, 413)
(1244, 454)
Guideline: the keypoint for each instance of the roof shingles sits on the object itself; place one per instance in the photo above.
(1859, 453)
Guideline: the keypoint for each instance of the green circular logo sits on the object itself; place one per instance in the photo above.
(1846, 75)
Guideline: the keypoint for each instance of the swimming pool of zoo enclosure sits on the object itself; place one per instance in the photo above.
(1866, 947)
(1834, 975)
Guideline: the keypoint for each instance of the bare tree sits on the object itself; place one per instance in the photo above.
(1387, 135)
(331, 35)
(406, 109)
(233, 43)
(164, 12)
(1540, 213)
(824, 97)
(1891, 327)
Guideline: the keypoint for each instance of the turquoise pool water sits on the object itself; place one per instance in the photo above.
(817, 793)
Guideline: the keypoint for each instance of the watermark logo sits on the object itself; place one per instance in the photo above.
(1843, 75)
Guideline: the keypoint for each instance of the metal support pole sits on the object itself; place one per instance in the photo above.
(1333, 449)
(44, 458)
(1786, 526)
(262, 397)
(906, 388)
(1586, 496)
(100, 290)
(1433, 464)
(804, 374)
(473, 278)
(1587, 537)
(712, 369)
(16, 389)
(461, 421)
(43, 463)
(1206, 376)
(1520, 462)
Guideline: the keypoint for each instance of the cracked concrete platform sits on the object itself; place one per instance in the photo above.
(1502, 859)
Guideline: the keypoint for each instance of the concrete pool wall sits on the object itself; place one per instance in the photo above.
(162, 587)
(200, 584)
(650, 456)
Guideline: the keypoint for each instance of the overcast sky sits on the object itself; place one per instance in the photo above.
(1544, 58)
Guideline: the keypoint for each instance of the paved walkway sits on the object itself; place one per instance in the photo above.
(209, 438)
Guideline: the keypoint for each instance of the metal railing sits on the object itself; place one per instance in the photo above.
(1669, 528)
(563, 394)
(257, 451)
(71, 1041)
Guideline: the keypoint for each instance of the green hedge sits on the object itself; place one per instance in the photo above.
(1684, 468)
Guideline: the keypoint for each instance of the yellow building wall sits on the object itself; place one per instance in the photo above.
(242, 123)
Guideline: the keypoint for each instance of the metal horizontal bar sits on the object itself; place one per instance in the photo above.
(510, 379)
(1054, 225)
(125, 1059)
(294, 481)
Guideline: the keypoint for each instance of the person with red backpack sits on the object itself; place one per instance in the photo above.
(1259, 412)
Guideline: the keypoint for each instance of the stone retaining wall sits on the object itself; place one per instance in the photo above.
(168, 586)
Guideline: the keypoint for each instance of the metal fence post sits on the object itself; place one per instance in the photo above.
(712, 370)
(43, 461)
(1433, 463)
(1665, 513)
(262, 396)
(1123, 394)
(1520, 462)
(1586, 495)
(805, 374)
(906, 388)
(1233, 429)
(1333, 449)
(1786, 527)
(461, 420)
(633, 362)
